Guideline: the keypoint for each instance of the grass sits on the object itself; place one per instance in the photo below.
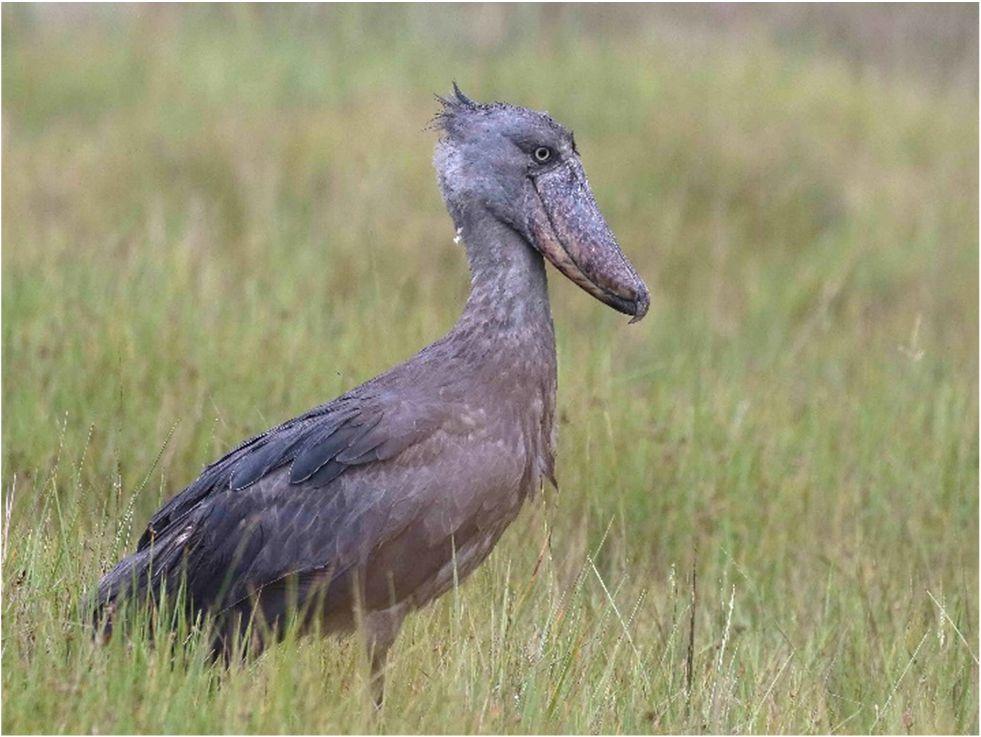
(213, 220)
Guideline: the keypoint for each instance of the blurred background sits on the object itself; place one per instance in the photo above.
(217, 217)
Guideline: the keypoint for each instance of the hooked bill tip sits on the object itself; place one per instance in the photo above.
(643, 303)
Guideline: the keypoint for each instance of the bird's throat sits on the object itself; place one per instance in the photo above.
(509, 289)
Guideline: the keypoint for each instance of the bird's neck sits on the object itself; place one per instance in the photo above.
(505, 332)
(508, 289)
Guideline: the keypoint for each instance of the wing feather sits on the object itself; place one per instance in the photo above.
(318, 447)
(325, 446)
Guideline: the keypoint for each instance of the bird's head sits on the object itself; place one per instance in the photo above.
(523, 168)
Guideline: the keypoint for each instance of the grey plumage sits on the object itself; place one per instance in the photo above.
(381, 498)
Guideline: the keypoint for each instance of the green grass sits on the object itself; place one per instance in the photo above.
(214, 220)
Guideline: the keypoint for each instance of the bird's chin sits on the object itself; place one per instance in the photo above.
(567, 227)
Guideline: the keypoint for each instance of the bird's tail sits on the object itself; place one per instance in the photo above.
(127, 581)
(137, 580)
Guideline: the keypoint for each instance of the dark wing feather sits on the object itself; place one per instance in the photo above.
(214, 477)
(324, 447)
(318, 447)
(264, 508)
(266, 458)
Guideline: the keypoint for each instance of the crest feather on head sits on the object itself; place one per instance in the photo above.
(458, 101)
(458, 111)
(456, 106)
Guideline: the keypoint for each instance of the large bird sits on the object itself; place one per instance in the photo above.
(374, 504)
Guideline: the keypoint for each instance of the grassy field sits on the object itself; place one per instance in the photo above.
(213, 220)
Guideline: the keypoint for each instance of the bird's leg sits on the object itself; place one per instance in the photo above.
(380, 630)
(379, 661)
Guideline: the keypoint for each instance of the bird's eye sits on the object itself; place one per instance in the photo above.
(543, 154)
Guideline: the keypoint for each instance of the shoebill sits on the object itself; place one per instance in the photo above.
(375, 503)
